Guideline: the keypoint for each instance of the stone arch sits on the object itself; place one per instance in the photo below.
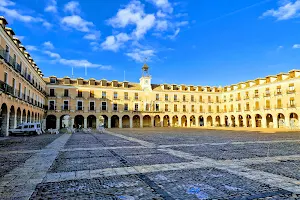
(294, 122)
(115, 121)
(157, 121)
(146, 121)
(65, 121)
(258, 119)
(232, 119)
(19, 116)
(209, 121)
(79, 121)
(166, 121)
(103, 121)
(269, 120)
(226, 121)
(3, 120)
(51, 122)
(175, 121)
(201, 120)
(91, 121)
(126, 121)
(24, 116)
(248, 121)
(192, 120)
(136, 121)
(183, 121)
(281, 120)
(241, 121)
(12, 114)
(218, 121)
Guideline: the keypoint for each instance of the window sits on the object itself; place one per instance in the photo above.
(166, 97)
(278, 90)
(103, 95)
(224, 98)
(136, 96)
(193, 108)
(6, 77)
(126, 95)
(183, 98)
(52, 93)
(231, 97)
(7, 53)
(239, 96)
(239, 107)
(200, 99)
(92, 94)
(79, 105)
(115, 107)
(201, 108)
(268, 104)
(184, 108)
(79, 93)
(20, 90)
(166, 107)
(256, 105)
(14, 60)
(66, 93)
(126, 107)
(136, 106)
(231, 108)
(175, 108)
(175, 97)
(217, 99)
(14, 84)
(92, 105)
(157, 107)
(292, 102)
(218, 109)
(157, 97)
(279, 105)
(225, 108)
(291, 88)
(103, 106)
(51, 105)
(115, 95)
(267, 91)
(66, 105)
(147, 107)
(53, 80)
(192, 98)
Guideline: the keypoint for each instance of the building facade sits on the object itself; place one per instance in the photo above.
(22, 88)
(26, 96)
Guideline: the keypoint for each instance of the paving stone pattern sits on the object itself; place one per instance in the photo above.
(152, 164)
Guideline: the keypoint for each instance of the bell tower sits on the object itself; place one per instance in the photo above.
(145, 80)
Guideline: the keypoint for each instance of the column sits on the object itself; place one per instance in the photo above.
(179, 121)
(109, 122)
(161, 121)
(130, 122)
(188, 121)
(264, 122)
(120, 122)
(152, 121)
(25, 118)
(84, 122)
(253, 122)
(57, 123)
(222, 120)
(97, 123)
(275, 122)
(141, 121)
(72, 122)
(15, 121)
(171, 121)
(7, 124)
(21, 118)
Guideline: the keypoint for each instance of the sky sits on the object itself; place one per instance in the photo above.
(193, 42)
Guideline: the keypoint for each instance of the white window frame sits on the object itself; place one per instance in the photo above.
(127, 106)
(49, 104)
(113, 107)
(77, 104)
(90, 105)
(106, 107)
(6, 81)
(64, 104)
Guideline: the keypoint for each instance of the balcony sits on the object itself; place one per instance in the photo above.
(7, 89)
(291, 91)
(210, 111)
(79, 108)
(52, 107)
(291, 105)
(267, 108)
(210, 101)
(239, 110)
(255, 96)
(246, 97)
(256, 108)
(278, 107)
(92, 108)
(65, 107)
(267, 94)
(247, 109)
(238, 99)
(277, 93)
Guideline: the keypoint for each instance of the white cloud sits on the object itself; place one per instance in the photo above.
(6, 3)
(182, 23)
(144, 25)
(296, 46)
(165, 5)
(52, 55)
(31, 48)
(287, 11)
(92, 36)
(77, 23)
(72, 6)
(114, 43)
(161, 25)
(20, 37)
(140, 55)
(181, 15)
(48, 45)
(161, 14)
(172, 37)
(51, 7)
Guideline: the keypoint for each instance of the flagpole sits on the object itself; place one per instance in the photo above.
(85, 70)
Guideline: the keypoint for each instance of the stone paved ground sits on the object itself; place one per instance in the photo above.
(152, 164)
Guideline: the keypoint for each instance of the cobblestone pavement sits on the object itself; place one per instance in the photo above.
(153, 164)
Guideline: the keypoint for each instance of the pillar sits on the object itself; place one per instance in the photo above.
(58, 123)
(253, 122)
(222, 120)
(97, 123)
(188, 122)
(130, 122)
(171, 121)
(84, 122)
(161, 121)
(120, 122)
(275, 122)
(15, 121)
(179, 121)
(109, 122)
(21, 118)
(141, 121)
(264, 122)
(7, 124)
(152, 121)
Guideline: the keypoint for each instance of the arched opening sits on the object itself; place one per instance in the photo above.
(248, 121)
(192, 120)
(232, 121)
(209, 121)
(281, 120)
(146, 121)
(294, 120)
(175, 121)
(258, 120)
(226, 121)
(24, 116)
(32, 117)
(12, 117)
(269, 119)
(241, 121)
(38, 117)
(65, 121)
(126, 121)
(3, 120)
(19, 115)
(166, 122)
(35, 117)
(136, 121)
(115, 121)
(201, 121)
(51, 122)
(78, 121)
(103, 121)
(183, 121)
(28, 116)
(157, 121)
(91, 121)
(218, 121)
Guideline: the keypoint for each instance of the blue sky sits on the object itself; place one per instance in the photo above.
(198, 42)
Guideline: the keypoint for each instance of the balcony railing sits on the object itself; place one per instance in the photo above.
(238, 99)
(267, 95)
(290, 91)
(267, 108)
(291, 105)
(246, 97)
(65, 107)
(255, 96)
(247, 109)
(79, 108)
(278, 107)
(277, 93)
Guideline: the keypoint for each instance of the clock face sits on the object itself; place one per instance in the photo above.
(146, 81)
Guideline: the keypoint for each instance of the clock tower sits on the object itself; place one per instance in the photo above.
(145, 80)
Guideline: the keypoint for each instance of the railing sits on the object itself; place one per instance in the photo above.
(267, 95)
(65, 107)
(92, 108)
(290, 91)
(278, 107)
(79, 108)
(247, 109)
(6, 88)
(246, 97)
(255, 96)
(277, 93)
(267, 108)
(238, 99)
(51, 107)
(291, 105)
